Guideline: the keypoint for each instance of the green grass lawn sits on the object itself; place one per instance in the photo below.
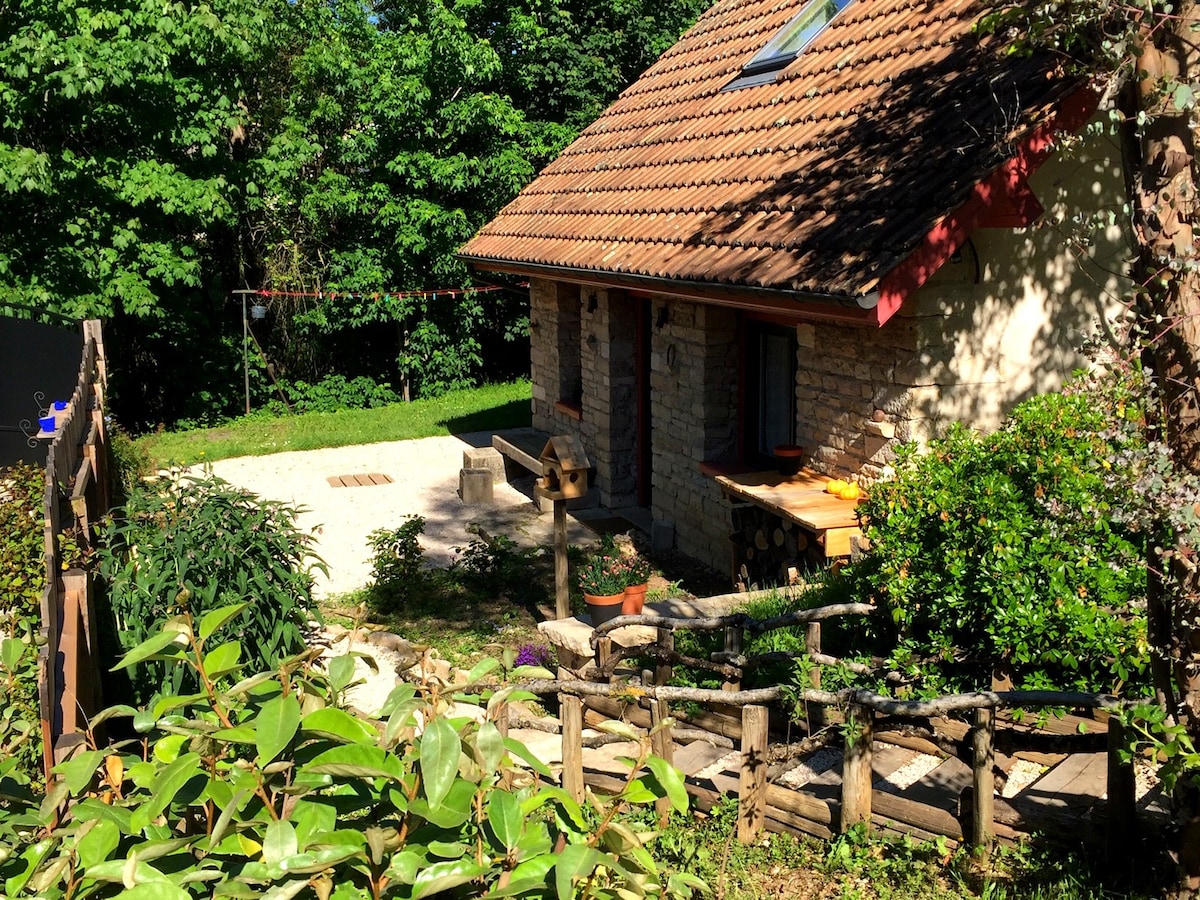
(487, 408)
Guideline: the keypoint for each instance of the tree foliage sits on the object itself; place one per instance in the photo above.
(159, 156)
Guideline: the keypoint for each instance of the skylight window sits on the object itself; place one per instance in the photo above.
(790, 42)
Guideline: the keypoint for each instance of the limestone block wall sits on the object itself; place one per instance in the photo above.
(609, 426)
(843, 374)
(555, 361)
(694, 393)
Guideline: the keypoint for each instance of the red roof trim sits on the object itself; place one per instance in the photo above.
(1002, 200)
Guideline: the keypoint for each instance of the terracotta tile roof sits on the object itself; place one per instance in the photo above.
(821, 182)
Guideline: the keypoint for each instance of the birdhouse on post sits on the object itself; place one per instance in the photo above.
(564, 469)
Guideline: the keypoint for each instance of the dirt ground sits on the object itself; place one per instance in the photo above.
(424, 481)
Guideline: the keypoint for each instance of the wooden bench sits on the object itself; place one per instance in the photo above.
(523, 447)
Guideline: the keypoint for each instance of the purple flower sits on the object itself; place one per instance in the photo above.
(534, 655)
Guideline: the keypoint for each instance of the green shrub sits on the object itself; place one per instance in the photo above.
(266, 788)
(398, 573)
(334, 392)
(1008, 552)
(192, 543)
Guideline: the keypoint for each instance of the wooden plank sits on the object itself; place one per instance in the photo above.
(335, 481)
(837, 541)
(753, 777)
(941, 787)
(1075, 783)
(856, 769)
(380, 478)
(800, 802)
(886, 759)
(523, 448)
(912, 812)
(800, 497)
(691, 758)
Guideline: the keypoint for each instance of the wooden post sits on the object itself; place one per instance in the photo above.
(814, 712)
(562, 597)
(662, 741)
(983, 761)
(1121, 809)
(856, 768)
(733, 644)
(571, 710)
(752, 784)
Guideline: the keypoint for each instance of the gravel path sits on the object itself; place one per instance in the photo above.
(424, 475)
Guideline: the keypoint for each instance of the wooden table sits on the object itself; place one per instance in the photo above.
(802, 499)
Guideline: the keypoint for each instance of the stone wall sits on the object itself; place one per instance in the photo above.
(609, 426)
(694, 393)
(555, 358)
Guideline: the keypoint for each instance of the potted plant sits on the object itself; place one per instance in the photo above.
(637, 580)
(602, 580)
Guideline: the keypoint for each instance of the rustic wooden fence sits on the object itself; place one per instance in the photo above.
(77, 494)
(859, 711)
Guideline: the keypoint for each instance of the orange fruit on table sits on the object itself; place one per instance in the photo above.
(835, 487)
(849, 492)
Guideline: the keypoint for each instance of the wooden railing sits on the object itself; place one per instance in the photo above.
(861, 710)
(77, 492)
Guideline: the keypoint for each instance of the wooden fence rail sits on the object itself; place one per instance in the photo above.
(863, 712)
(77, 492)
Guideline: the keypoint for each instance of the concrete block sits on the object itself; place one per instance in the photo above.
(662, 535)
(475, 487)
(485, 458)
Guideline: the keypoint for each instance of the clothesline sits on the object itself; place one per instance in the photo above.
(450, 293)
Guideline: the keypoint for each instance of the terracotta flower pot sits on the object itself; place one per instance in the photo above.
(788, 458)
(603, 608)
(635, 598)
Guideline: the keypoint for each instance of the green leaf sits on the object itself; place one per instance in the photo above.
(276, 725)
(339, 725)
(671, 780)
(440, 748)
(355, 761)
(505, 818)
(98, 842)
(443, 876)
(164, 787)
(223, 659)
(11, 651)
(79, 771)
(490, 744)
(279, 842)
(521, 752)
(575, 861)
(155, 890)
(150, 647)
(341, 670)
(216, 618)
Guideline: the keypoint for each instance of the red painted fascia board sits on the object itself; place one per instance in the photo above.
(1005, 192)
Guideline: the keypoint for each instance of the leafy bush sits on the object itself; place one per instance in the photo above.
(1011, 552)
(264, 787)
(398, 564)
(192, 543)
(334, 392)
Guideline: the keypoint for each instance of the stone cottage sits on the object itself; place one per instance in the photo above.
(829, 223)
